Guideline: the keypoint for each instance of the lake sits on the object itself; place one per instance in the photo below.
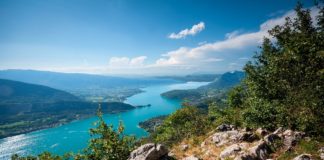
(75, 135)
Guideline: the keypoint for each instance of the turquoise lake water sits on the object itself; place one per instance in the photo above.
(75, 135)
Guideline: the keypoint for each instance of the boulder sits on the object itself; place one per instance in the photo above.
(262, 132)
(303, 157)
(248, 136)
(260, 151)
(225, 127)
(227, 137)
(149, 151)
(272, 139)
(191, 158)
(232, 151)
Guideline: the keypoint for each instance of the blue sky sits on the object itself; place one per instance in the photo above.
(149, 37)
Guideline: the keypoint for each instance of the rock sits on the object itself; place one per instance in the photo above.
(303, 157)
(291, 138)
(171, 154)
(260, 151)
(228, 137)
(261, 132)
(321, 152)
(184, 147)
(248, 137)
(278, 131)
(225, 127)
(191, 158)
(246, 129)
(203, 144)
(272, 140)
(230, 151)
(149, 151)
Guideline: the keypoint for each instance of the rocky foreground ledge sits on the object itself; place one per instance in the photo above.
(229, 142)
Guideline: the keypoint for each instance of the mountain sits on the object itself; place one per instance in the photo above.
(215, 90)
(226, 80)
(28, 107)
(194, 77)
(20, 92)
(76, 81)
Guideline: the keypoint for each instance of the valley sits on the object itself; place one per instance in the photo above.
(76, 132)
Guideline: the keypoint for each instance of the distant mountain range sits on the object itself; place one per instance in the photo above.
(194, 77)
(76, 81)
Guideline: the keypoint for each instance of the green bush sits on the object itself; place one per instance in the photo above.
(184, 123)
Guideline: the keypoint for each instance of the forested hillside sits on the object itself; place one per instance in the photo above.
(28, 107)
(214, 91)
(19, 92)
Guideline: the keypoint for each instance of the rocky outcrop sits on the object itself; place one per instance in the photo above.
(227, 137)
(149, 151)
(229, 142)
(232, 151)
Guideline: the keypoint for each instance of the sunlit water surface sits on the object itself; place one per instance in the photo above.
(75, 135)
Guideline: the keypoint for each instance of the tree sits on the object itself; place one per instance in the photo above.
(107, 143)
(285, 82)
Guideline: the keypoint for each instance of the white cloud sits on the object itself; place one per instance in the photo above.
(125, 62)
(233, 43)
(137, 61)
(228, 54)
(232, 34)
(184, 33)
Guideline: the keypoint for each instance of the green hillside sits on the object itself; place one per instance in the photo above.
(28, 107)
(19, 92)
